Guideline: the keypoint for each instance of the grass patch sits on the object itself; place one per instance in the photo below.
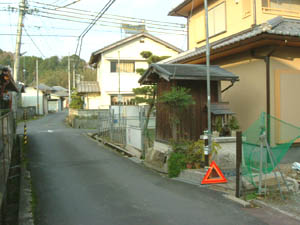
(250, 196)
(33, 118)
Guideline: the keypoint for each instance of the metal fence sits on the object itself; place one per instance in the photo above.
(124, 126)
(7, 134)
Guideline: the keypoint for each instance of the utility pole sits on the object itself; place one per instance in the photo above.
(119, 91)
(208, 77)
(74, 81)
(22, 7)
(37, 88)
(69, 78)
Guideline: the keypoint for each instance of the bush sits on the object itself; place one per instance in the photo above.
(176, 163)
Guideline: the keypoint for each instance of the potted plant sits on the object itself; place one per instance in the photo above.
(199, 158)
(217, 126)
(234, 125)
(190, 157)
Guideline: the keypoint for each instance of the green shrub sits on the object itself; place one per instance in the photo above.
(176, 163)
(234, 123)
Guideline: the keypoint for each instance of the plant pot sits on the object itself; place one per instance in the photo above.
(215, 134)
(233, 133)
(189, 165)
(199, 165)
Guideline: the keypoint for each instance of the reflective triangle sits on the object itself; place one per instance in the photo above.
(210, 177)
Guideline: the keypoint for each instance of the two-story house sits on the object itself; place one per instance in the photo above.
(113, 79)
(259, 41)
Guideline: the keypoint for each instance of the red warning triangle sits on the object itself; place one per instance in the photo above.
(214, 175)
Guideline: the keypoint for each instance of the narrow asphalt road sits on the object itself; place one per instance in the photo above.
(80, 182)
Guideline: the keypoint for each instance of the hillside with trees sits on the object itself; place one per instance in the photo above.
(53, 71)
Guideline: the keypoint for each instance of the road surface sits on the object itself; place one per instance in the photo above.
(78, 181)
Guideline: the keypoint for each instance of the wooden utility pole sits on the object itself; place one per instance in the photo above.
(69, 78)
(74, 81)
(22, 7)
(37, 88)
(238, 163)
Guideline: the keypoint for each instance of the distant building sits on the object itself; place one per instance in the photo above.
(127, 52)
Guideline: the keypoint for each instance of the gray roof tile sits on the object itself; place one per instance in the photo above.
(186, 72)
(277, 25)
(88, 87)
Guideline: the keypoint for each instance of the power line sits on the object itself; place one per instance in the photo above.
(42, 35)
(89, 27)
(107, 15)
(103, 21)
(58, 15)
(100, 24)
(33, 42)
(72, 3)
(127, 19)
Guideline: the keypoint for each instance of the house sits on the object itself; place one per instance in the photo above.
(259, 41)
(193, 121)
(90, 91)
(29, 98)
(7, 86)
(125, 52)
(57, 101)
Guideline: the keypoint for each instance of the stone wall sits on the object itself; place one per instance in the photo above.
(226, 157)
(85, 112)
(30, 112)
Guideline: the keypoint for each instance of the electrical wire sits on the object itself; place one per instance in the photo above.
(141, 21)
(89, 27)
(99, 24)
(111, 15)
(72, 3)
(103, 21)
(34, 42)
(42, 35)
(153, 31)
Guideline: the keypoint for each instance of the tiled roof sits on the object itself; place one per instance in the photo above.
(94, 55)
(88, 87)
(186, 72)
(278, 26)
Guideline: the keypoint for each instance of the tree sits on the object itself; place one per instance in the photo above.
(177, 100)
(77, 102)
(147, 94)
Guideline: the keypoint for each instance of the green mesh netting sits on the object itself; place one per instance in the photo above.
(280, 136)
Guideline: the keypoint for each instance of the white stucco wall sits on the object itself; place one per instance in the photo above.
(29, 98)
(92, 101)
(130, 51)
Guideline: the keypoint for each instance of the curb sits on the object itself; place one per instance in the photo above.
(263, 204)
(245, 204)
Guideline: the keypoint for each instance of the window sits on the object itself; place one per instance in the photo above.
(217, 20)
(293, 5)
(125, 67)
(125, 99)
(246, 7)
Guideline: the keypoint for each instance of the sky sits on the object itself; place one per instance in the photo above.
(64, 34)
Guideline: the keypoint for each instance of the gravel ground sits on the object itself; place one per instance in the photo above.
(292, 202)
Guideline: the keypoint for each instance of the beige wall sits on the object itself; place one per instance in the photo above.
(247, 97)
(236, 20)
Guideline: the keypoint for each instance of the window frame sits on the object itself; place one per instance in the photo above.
(225, 15)
(121, 61)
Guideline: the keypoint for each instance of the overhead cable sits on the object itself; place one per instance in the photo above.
(89, 27)
(34, 42)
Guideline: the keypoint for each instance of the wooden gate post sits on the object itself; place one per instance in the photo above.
(238, 163)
